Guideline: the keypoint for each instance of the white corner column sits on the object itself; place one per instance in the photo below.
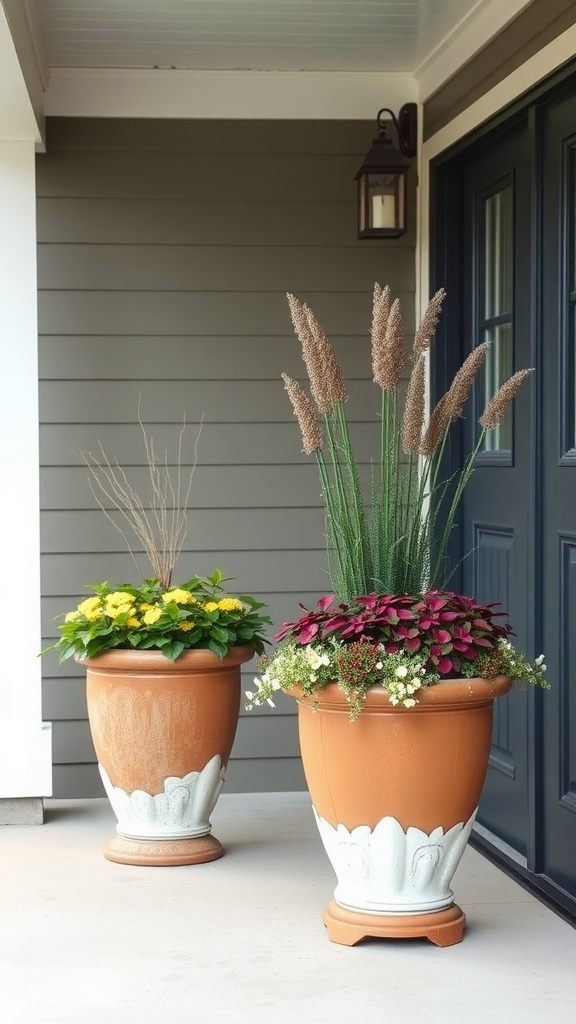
(25, 741)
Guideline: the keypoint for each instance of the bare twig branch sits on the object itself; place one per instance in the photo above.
(161, 528)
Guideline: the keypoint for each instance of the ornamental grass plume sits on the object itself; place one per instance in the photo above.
(427, 328)
(327, 383)
(390, 537)
(414, 407)
(388, 352)
(496, 408)
(309, 426)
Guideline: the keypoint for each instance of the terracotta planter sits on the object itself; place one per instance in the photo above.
(395, 794)
(163, 732)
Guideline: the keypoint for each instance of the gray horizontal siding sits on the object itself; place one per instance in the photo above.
(214, 268)
(73, 357)
(166, 313)
(72, 532)
(251, 571)
(227, 401)
(165, 252)
(220, 443)
(205, 222)
(241, 177)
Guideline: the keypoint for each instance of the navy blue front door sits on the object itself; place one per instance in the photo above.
(504, 245)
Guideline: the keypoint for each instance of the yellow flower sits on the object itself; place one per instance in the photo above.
(145, 607)
(186, 625)
(118, 603)
(179, 596)
(71, 616)
(133, 622)
(91, 608)
(152, 616)
(210, 606)
(231, 604)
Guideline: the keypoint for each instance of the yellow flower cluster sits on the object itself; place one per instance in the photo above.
(91, 608)
(121, 604)
(179, 596)
(231, 604)
(151, 616)
(118, 603)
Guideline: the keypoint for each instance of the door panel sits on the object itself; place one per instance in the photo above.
(504, 244)
(559, 492)
(495, 522)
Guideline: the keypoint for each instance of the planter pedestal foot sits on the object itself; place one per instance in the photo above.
(347, 927)
(163, 852)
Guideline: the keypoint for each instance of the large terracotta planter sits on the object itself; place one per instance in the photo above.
(163, 732)
(395, 794)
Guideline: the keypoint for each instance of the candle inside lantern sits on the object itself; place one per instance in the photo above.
(383, 212)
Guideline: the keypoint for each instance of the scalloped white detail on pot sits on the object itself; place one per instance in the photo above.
(182, 811)
(388, 871)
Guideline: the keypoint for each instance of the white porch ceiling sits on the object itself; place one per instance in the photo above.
(280, 35)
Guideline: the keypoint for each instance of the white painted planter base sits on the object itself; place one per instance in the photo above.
(386, 871)
(182, 811)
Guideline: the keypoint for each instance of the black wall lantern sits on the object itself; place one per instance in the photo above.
(382, 178)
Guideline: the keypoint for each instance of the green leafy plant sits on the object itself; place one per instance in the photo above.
(154, 615)
(197, 614)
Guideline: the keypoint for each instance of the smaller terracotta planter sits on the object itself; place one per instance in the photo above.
(395, 794)
(163, 732)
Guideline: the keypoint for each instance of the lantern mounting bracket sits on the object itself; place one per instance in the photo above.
(406, 125)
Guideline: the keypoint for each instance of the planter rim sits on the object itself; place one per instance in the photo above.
(123, 660)
(448, 693)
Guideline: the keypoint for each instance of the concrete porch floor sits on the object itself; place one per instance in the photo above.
(240, 940)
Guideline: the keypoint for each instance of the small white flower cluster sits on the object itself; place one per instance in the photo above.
(401, 688)
(315, 660)
(517, 666)
(265, 686)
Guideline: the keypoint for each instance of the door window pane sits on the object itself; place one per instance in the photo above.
(495, 311)
(497, 369)
(498, 253)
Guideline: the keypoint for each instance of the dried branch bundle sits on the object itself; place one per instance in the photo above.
(161, 528)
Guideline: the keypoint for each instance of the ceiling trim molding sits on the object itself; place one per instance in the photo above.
(469, 36)
(544, 63)
(275, 95)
